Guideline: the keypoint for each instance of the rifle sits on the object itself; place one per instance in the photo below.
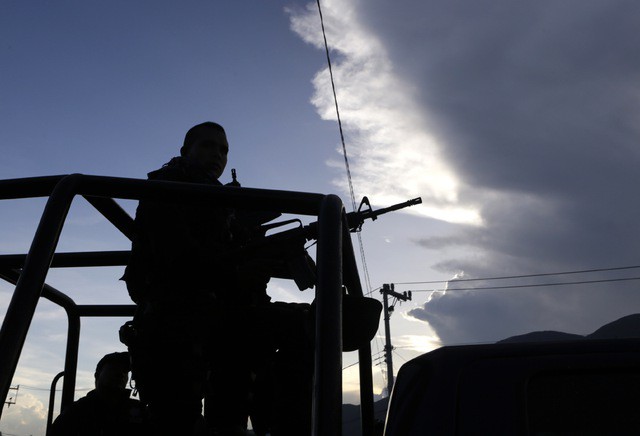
(284, 253)
(356, 219)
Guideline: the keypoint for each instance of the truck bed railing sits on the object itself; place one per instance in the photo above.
(335, 261)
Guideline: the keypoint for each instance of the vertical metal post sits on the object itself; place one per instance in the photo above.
(73, 341)
(365, 367)
(29, 287)
(71, 360)
(327, 382)
(52, 400)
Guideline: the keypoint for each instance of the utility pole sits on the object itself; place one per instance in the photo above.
(12, 400)
(388, 289)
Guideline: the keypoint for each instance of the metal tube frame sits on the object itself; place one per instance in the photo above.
(327, 381)
(334, 257)
(52, 399)
(365, 365)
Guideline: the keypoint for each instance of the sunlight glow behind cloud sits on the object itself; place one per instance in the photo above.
(419, 343)
(393, 156)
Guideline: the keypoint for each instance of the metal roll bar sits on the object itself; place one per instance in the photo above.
(335, 262)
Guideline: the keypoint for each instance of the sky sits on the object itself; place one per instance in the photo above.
(515, 121)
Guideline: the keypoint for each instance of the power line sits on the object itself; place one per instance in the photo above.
(539, 285)
(378, 288)
(522, 276)
(398, 354)
(349, 366)
(377, 358)
(365, 270)
(33, 388)
(335, 99)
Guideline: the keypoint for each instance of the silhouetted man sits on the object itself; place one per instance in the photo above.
(205, 325)
(108, 410)
(177, 279)
(199, 313)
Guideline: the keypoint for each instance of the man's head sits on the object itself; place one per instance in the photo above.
(112, 372)
(207, 144)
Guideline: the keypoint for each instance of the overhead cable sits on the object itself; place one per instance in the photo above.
(344, 148)
(521, 276)
(538, 285)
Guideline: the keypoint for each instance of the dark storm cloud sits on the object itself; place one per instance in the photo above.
(536, 106)
(524, 95)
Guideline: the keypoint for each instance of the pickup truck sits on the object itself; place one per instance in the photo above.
(574, 387)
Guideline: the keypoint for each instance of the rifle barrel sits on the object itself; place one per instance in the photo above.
(398, 206)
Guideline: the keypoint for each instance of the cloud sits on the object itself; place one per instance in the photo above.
(27, 416)
(518, 117)
(393, 154)
(473, 316)
(526, 96)
(282, 290)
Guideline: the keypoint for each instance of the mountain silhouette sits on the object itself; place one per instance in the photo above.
(625, 327)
